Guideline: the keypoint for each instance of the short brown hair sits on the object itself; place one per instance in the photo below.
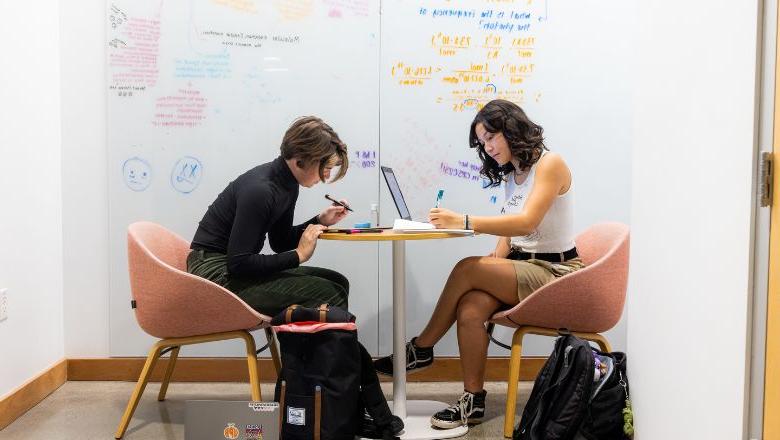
(309, 139)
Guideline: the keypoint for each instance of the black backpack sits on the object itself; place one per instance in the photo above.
(324, 388)
(568, 403)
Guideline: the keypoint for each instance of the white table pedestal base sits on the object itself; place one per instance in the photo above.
(417, 424)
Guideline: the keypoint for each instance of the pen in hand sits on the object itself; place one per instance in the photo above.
(439, 196)
(338, 203)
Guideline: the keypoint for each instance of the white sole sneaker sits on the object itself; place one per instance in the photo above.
(443, 424)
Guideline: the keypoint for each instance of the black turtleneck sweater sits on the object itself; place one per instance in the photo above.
(259, 202)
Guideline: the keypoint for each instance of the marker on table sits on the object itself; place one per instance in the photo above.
(439, 196)
(338, 203)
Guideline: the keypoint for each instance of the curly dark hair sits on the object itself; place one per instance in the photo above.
(523, 136)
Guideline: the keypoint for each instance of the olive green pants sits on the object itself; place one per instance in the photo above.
(269, 295)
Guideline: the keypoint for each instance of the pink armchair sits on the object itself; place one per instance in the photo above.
(183, 309)
(587, 302)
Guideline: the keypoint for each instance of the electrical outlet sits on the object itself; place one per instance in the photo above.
(3, 304)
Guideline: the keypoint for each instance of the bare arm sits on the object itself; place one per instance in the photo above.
(502, 248)
(552, 179)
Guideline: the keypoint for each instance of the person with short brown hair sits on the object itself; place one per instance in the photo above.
(261, 203)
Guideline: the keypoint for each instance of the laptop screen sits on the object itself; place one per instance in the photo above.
(395, 191)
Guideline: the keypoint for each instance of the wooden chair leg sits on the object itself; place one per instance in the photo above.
(513, 381)
(168, 373)
(269, 333)
(251, 359)
(151, 359)
(602, 341)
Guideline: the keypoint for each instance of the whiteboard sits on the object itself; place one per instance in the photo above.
(564, 62)
(203, 90)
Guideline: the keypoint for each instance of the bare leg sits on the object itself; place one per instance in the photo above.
(473, 310)
(494, 276)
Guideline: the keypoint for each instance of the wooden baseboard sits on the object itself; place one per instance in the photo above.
(235, 369)
(20, 400)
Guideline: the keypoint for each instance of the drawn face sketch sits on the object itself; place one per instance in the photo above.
(137, 174)
(186, 174)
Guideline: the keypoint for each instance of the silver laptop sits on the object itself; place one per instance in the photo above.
(406, 224)
(219, 419)
(395, 192)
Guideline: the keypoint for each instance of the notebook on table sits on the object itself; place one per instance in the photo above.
(405, 223)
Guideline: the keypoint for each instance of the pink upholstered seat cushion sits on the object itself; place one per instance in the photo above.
(588, 300)
(173, 303)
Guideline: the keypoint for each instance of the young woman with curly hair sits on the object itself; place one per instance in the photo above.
(535, 246)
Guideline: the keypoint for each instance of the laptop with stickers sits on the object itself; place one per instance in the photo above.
(219, 419)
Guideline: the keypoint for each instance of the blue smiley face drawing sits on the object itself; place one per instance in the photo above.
(137, 174)
(186, 174)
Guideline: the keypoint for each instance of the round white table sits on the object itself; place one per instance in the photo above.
(416, 414)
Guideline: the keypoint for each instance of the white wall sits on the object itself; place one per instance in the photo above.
(31, 339)
(84, 179)
(691, 217)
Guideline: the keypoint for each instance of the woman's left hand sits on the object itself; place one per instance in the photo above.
(333, 214)
(445, 219)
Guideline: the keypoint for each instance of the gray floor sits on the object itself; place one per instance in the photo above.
(91, 410)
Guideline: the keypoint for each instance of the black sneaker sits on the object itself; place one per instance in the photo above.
(469, 410)
(417, 358)
(369, 428)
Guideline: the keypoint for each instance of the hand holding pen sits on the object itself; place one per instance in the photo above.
(339, 203)
(334, 213)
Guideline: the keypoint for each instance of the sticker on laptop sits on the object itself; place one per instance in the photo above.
(253, 432)
(263, 406)
(296, 416)
(231, 432)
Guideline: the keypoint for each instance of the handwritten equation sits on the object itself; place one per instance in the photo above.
(477, 54)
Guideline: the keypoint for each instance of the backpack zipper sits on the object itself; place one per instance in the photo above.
(610, 372)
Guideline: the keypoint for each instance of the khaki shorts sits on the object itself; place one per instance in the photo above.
(533, 274)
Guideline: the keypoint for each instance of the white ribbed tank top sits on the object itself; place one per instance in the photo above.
(556, 231)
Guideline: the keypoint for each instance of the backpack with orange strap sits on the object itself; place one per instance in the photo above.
(327, 388)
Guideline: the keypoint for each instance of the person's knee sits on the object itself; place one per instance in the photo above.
(471, 312)
(337, 278)
(465, 266)
(343, 281)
